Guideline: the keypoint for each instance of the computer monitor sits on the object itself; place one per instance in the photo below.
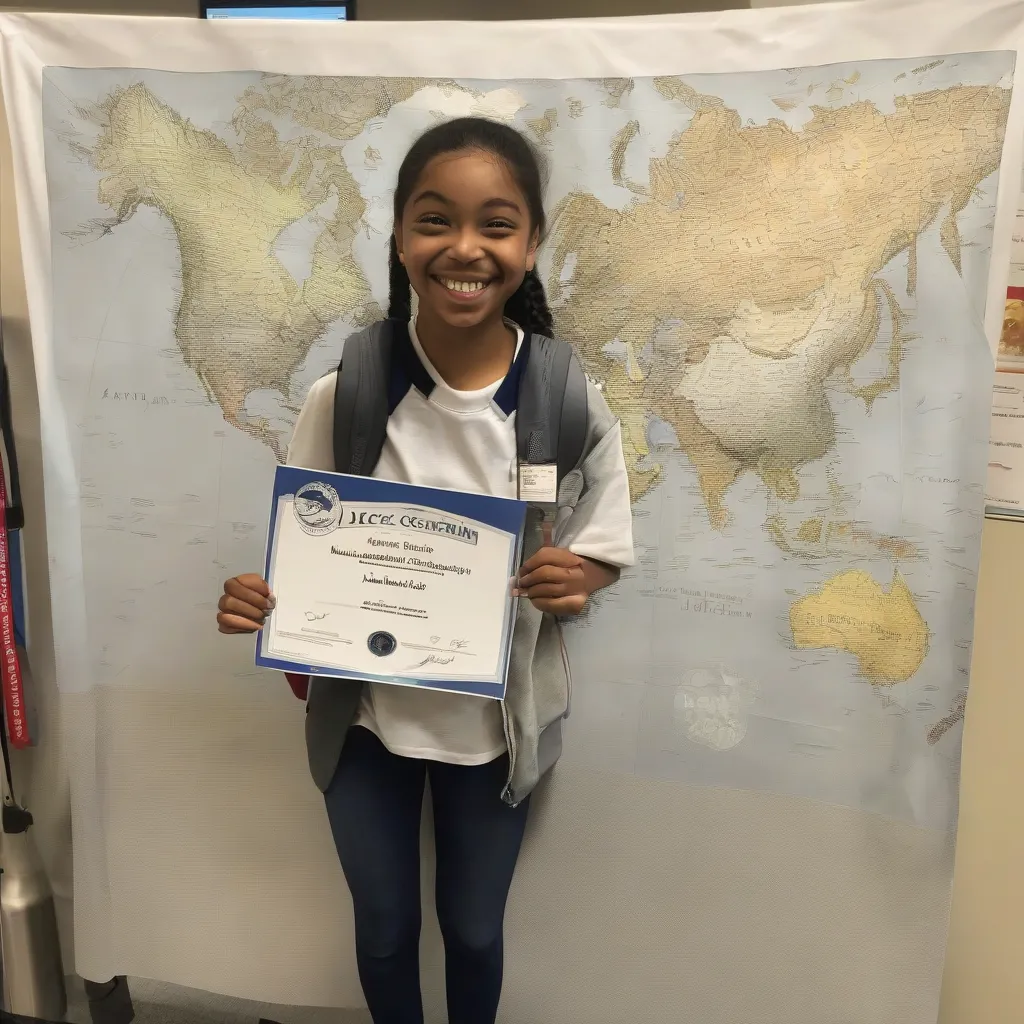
(310, 10)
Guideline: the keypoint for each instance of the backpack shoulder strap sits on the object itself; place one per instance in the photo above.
(361, 399)
(551, 414)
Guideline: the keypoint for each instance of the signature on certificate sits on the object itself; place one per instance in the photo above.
(435, 659)
(316, 616)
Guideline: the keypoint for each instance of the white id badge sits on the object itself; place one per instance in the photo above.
(538, 484)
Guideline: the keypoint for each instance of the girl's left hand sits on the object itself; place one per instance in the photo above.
(557, 581)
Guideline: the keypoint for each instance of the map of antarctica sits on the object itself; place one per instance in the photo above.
(778, 280)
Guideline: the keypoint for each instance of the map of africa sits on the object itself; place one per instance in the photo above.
(777, 278)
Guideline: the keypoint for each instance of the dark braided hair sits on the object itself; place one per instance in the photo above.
(399, 290)
(528, 306)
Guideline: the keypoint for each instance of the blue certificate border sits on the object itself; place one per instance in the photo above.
(505, 514)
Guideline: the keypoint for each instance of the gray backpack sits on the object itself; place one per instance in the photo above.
(551, 413)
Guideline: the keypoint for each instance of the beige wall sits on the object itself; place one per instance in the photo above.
(182, 8)
(984, 981)
(395, 10)
(40, 777)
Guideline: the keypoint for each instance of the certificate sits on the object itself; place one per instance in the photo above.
(391, 583)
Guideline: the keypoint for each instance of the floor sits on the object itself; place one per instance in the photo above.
(158, 1003)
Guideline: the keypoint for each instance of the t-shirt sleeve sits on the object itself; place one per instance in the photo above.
(312, 444)
(600, 526)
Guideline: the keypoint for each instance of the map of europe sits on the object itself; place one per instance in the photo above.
(777, 279)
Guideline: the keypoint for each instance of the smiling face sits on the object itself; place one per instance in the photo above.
(466, 239)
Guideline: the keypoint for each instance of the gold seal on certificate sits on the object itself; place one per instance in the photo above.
(391, 583)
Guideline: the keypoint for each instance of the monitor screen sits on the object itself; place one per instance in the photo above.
(295, 12)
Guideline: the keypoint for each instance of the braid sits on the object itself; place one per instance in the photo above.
(399, 296)
(528, 307)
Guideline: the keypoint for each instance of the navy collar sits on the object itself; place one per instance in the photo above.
(408, 371)
(506, 398)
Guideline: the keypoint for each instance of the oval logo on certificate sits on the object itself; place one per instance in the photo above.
(317, 508)
(382, 644)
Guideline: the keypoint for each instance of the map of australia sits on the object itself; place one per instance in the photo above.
(775, 277)
(883, 631)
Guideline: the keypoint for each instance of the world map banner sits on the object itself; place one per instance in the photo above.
(779, 242)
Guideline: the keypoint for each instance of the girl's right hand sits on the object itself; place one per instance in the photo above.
(245, 605)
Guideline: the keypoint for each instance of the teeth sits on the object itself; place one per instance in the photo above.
(463, 286)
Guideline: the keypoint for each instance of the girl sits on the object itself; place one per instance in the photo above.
(468, 219)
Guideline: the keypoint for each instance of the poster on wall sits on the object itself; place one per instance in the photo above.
(784, 267)
(1005, 490)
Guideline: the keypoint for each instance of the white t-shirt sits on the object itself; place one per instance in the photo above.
(464, 440)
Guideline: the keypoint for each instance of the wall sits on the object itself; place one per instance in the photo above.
(40, 777)
(180, 8)
(411, 10)
(394, 10)
(984, 983)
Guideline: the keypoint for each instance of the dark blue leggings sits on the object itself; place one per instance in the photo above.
(374, 804)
